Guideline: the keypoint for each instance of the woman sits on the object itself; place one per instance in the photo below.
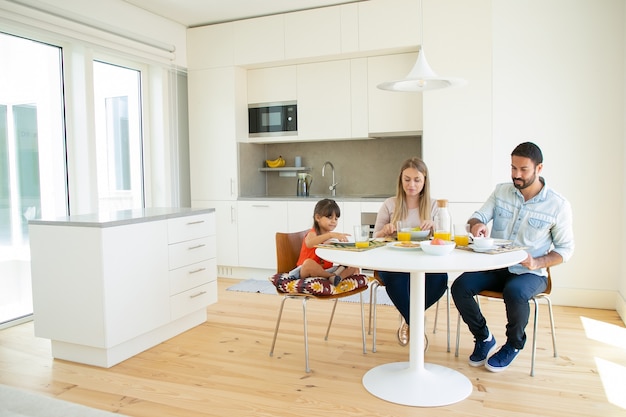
(413, 206)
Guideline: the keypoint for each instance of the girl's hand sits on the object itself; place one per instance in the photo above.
(342, 237)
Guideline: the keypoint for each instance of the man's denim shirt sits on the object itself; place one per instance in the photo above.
(541, 223)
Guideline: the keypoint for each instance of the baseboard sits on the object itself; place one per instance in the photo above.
(620, 306)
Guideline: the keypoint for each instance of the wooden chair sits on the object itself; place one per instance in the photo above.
(287, 252)
(545, 296)
(377, 282)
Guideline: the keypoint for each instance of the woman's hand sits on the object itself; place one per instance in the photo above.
(387, 230)
(427, 225)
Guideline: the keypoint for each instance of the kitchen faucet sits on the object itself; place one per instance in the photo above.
(333, 186)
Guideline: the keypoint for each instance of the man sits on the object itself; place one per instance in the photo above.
(530, 214)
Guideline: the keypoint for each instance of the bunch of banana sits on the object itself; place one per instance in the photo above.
(276, 163)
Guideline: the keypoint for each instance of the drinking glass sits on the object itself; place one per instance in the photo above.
(461, 234)
(361, 235)
(402, 235)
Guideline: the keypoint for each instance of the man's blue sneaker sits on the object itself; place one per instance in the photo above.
(502, 359)
(482, 350)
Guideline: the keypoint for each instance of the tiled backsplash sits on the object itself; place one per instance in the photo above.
(362, 167)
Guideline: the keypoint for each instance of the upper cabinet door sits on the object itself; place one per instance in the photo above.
(388, 24)
(270, 85)
(314, 32)
(392, 111)
(258, 40)
(324, 100)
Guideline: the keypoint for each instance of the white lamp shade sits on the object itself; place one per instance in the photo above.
(421, 78)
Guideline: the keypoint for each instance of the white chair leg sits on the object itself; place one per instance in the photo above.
(332, 314)
(280, 314)
(436, 317)
(532, 359)
(458, 335)
(363, 323)
(374, 300)
(306, 337)
(556, 355)
(448, 318)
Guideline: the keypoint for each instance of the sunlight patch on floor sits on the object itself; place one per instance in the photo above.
(613, 378)
(604, 332)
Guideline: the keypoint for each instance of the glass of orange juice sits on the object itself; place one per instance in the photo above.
(441, 234)
(402, 235)
(461, 234)
(361, 236)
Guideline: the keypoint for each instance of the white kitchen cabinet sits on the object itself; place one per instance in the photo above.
(350, 216)
(390, 111)
(388, 24)
(192, 263)
(226, 215)
(315, 32)
(258, 223)
(259, 40)
(106, 287)
(217, 115)
(273, 84)
(300, 214)
(324, 100)
(211, 46)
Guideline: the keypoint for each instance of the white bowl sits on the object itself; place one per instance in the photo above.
(417, 235)
(439, 250)
(483, 242)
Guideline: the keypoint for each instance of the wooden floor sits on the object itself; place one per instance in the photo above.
(222, 368)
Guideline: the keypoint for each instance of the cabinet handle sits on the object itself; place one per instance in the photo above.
(197, 270)
(197, 295)
(197, 246)
(196, 222)
(260, 205)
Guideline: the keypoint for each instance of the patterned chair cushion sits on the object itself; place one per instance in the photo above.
(316, 285)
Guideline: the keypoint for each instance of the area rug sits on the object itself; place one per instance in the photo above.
(266, 287)
(17, 403)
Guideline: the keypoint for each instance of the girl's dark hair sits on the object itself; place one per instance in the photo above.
(529, 150)
(325, 208)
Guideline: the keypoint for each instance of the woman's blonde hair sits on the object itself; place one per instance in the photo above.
(401, 211)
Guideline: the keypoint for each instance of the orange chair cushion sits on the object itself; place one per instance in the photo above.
(317, 286)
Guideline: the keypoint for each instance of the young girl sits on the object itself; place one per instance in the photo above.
(325, 216)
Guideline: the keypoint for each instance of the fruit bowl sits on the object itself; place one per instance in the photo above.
(417, 235)
(445, 248)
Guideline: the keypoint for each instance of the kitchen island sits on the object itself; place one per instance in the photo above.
(107, 286)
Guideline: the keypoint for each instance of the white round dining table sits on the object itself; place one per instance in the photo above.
(416, 383)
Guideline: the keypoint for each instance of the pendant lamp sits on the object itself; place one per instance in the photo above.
(422, 77)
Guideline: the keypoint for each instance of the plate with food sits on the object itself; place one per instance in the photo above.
(404, 245)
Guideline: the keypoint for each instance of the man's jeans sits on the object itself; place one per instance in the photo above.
(397, 286)
(517, 290)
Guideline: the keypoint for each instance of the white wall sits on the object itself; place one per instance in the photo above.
(551, 72)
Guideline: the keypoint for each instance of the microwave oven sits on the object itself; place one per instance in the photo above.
(273, 119)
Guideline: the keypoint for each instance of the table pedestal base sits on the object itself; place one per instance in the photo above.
(432, 386)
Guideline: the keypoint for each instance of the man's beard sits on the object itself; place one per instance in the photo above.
(524, 184)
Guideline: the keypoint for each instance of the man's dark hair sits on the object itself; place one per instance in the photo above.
(529, 150)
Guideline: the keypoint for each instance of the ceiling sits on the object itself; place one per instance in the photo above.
(193, 13)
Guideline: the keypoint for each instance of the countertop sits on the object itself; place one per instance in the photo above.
(121, 217)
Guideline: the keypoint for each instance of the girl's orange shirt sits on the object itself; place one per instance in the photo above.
(309, 253)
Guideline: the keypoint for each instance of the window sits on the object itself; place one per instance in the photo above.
(33, 174)
(117, 109)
